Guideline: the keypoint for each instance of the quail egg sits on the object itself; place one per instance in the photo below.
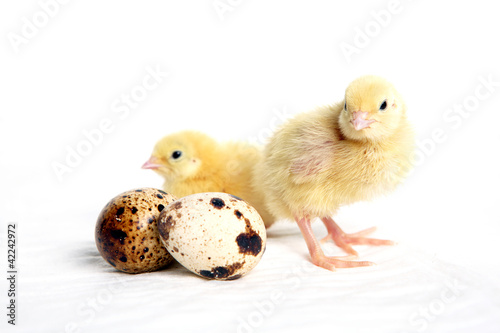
(215, 235)
(126, 232)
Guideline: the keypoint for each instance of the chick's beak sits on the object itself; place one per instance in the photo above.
(359, 121)
(152, 163)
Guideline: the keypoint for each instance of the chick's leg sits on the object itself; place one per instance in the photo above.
(344, 240)
(317, 255)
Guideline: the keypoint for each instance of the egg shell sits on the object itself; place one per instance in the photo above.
(126, 232)
(215, 235)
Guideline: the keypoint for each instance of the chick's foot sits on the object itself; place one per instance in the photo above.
(318, 257)
(344, 241)
(331, 263)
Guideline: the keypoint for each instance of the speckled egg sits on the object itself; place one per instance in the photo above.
(126, 231)
(215, 235)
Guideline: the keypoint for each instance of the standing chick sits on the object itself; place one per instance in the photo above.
(334, 156)
(192, 162)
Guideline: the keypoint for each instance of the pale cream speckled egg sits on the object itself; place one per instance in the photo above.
(215, 235)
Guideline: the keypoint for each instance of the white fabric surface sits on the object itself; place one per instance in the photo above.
(238, 78)
(65, 286)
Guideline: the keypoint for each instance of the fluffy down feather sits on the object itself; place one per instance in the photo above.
(336, 155)
(193, 162)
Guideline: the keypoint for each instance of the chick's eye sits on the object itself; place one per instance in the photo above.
(345, 106)
(383, 105)
(176, 154)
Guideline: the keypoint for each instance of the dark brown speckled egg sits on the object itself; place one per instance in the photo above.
(126, 232)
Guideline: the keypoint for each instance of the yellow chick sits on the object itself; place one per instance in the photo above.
(334, 156)
(193, 162)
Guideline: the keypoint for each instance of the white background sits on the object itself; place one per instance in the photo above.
(229, 74)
